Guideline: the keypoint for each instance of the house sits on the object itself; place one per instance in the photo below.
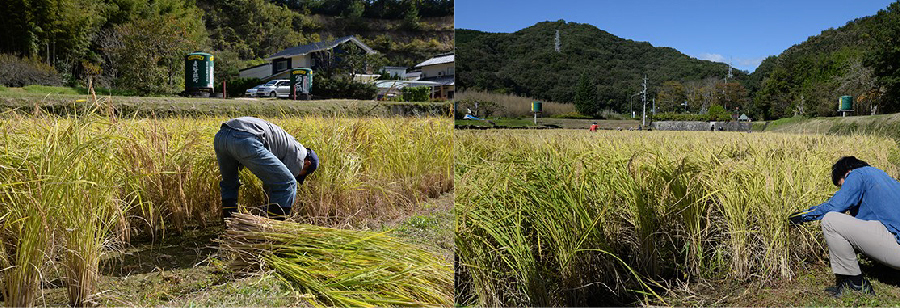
(314, 56)
(395, 71)
(413, 75)
(388, 89)
(439, 69)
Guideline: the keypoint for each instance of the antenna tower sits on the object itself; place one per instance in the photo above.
(557, 40)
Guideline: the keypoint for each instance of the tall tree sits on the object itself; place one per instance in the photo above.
(146, 55)
(585, 101)
(670, 97)
(885, 59)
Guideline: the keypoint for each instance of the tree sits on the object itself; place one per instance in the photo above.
(585, 101)
(411, 16)
(671, 96)
(146, 55)
(252, 28)
(885, 58)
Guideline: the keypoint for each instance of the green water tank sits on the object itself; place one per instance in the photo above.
(537, 106)
(198, 72)
(301, 83)
(846, 103)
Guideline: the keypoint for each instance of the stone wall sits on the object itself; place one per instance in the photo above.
(700, 126)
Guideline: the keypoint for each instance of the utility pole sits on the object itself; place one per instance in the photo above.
(644, 101)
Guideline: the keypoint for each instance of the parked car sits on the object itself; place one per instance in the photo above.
(251, 92)
(275, 88)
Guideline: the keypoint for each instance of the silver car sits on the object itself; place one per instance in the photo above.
(251, 92)
(275, 88)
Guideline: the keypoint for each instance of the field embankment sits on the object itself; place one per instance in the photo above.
(561, 217)
(161, 107)
(887, 125)
(505, 105)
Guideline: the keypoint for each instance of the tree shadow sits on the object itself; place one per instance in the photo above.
(181, 251)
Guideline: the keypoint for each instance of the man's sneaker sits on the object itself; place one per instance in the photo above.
(843, 283)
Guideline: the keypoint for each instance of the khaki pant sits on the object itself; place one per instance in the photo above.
(843, 233)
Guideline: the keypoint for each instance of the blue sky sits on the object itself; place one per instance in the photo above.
(742, 32)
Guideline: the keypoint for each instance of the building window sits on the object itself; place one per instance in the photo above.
(281, 65)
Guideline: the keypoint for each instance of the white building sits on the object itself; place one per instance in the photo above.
(441, 70)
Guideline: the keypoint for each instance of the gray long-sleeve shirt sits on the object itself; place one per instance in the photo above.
(280, 143)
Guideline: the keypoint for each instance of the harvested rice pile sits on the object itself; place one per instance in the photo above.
(340, 267)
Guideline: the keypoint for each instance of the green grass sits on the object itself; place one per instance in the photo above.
(51, 90)
(571, 115)
(433, 228)
(887, 125)
(786, 121)
(502, 122)
(804, 289)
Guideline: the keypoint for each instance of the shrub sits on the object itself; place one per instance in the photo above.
(237, 86)
(327, 85)
(482, 109)
(415, 94)
(18, 72)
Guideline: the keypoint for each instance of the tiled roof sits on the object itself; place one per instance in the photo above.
(308, 48)
(437, 60)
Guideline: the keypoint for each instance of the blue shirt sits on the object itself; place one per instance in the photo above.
(869, 194)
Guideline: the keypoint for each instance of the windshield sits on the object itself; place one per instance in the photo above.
(271, 83)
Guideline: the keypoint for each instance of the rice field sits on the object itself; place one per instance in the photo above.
(72, 189)
(573, 218)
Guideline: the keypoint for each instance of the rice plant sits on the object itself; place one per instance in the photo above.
(51, 199)
(71, 187)
(340, 267)
(571, 218)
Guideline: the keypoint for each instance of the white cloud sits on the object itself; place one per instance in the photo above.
(712, 57)
(740, 63)
(750, 62)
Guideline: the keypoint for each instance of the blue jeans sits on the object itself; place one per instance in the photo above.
(236, 149)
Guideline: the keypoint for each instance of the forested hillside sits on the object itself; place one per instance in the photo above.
(139, 45)
(861, 59)
(593, 67)
(602, 71)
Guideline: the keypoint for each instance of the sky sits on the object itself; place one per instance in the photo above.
(743, 32)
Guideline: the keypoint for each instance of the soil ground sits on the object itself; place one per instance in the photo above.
(186, 270)
(805, 289)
